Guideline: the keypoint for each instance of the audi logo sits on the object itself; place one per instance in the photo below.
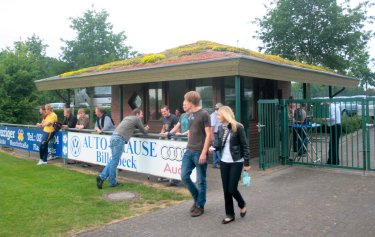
(172, 153)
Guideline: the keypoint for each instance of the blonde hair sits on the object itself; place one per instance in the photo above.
(48, 107)
(228, 115)
(193, 97)
(81, 110)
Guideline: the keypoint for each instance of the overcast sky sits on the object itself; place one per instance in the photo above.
(151, 26)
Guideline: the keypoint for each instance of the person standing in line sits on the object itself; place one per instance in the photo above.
(215, 123)
(48, 132)
(195, 156)
(70, 120)
(119, 138)
(334, 121)
(83, 120)
(234, 150)
(103, 122)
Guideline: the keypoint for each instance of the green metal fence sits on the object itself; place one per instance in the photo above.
(269, 133)
(299, 132)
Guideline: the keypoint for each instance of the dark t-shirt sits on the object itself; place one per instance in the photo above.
(169, 122)
(198, 121)
(70, 121)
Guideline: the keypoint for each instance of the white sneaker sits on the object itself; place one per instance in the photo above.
(41, 162)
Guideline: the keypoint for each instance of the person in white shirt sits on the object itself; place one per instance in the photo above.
(334, 121)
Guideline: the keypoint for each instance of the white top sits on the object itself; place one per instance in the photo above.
(226, 156)
(334, 114)
(215, 121)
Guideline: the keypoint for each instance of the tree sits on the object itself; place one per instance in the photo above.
(17, 89)
(319, 32)
(95, 42)
(20, 66)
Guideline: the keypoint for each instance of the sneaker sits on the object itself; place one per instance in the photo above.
(41, 162)
(197, 211)
(51, 157)
(99, 182)
(117, 185)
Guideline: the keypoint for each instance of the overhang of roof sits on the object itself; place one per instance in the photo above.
(222, 67)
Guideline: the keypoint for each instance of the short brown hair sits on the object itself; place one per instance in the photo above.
(136, 111)
(193, 97)
(165, 107)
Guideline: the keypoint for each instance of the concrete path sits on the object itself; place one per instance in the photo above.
(283, 201)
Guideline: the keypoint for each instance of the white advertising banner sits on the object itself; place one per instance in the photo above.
(157, 157)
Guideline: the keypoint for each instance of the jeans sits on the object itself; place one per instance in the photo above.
(216, 155)
(43, 149)
(230, 175)
(190, 161)
(117, 148)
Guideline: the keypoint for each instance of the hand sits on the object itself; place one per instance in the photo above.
(246, 168)
(98, 130)
(202, 159)
(211, 149)
(147, 127)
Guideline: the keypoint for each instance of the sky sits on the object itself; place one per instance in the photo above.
(150, 26)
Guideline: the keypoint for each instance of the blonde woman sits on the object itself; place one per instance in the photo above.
(234, 150)
(48, 131)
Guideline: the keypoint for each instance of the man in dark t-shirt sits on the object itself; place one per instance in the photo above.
(195, 155)
(169, 120)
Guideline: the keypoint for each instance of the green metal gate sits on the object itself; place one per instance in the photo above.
(285, 142)
(269, 133)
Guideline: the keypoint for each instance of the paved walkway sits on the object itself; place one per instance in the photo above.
(283, 201)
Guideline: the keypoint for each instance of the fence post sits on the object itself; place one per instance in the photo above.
(284, 132)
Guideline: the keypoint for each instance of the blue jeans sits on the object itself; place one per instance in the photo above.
(190, 161)
(117, 147)
(216, 155)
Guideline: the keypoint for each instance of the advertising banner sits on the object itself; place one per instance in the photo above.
(152, 156)
(29, 139)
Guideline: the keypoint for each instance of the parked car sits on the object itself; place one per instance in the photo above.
(58, 105)
(349, 108)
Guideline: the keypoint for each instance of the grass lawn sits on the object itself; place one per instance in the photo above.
(55, 201)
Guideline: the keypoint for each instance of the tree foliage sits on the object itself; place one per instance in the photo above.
(20, 66)
(95, 42)
(319, 32)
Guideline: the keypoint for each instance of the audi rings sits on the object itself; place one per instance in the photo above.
(172, 153)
